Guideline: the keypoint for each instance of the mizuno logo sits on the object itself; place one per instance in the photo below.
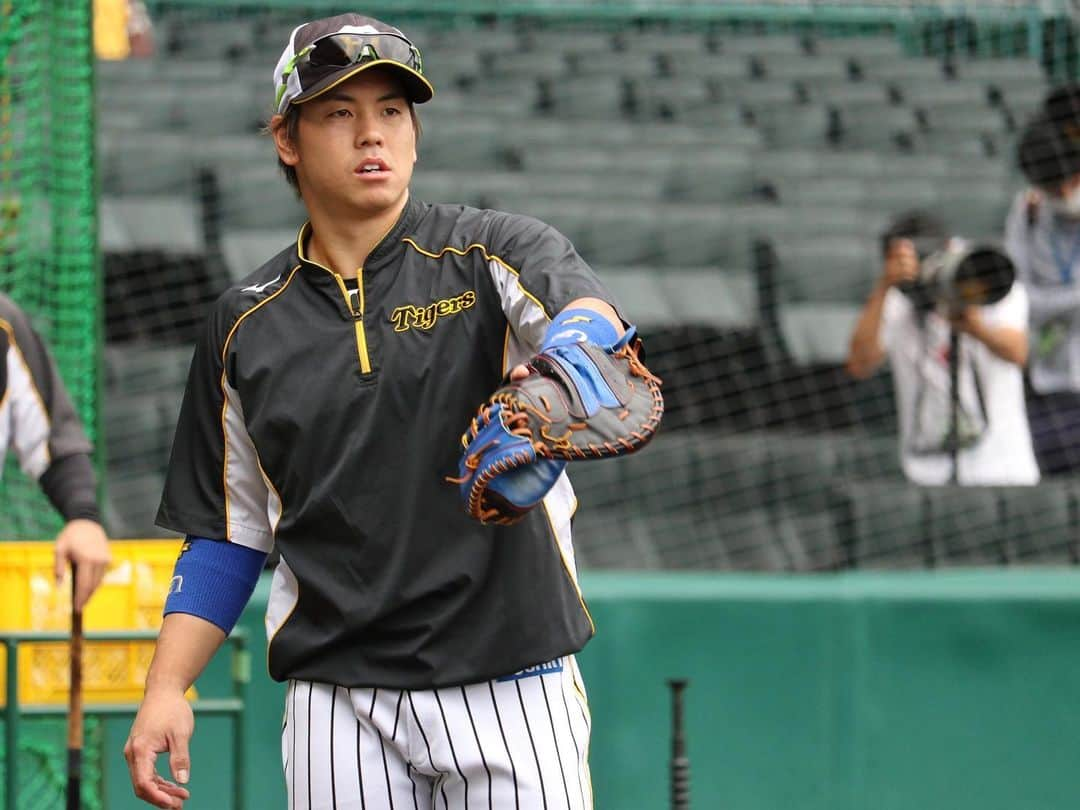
(176, 585)
(538, 669)
(258, 288)
(409, 316)
(578, 319)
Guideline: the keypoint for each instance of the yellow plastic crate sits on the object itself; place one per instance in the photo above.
(131, 597)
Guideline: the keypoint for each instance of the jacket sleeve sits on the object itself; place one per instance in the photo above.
(214, 487)
(39, 419)
(537, 272)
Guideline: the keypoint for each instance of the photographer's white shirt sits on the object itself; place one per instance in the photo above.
(1046, 251)
(994, 415)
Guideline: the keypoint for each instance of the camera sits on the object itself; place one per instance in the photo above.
(960, 274)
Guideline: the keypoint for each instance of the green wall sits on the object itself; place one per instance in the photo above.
(948, 691)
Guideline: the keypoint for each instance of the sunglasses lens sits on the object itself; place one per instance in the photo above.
(343, 50)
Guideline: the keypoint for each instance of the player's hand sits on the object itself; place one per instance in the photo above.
(165, 722)
(901, 263)
(82, 543)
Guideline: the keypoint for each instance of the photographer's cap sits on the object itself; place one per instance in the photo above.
(324, 53)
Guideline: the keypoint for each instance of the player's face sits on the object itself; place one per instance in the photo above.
(356, 146)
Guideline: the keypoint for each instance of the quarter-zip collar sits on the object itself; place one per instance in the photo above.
(389, 248)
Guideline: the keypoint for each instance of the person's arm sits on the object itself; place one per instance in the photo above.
(1045, 302)
(212, 582)
(1007, 342)
(165, 721)
(866, 353)
(51, 447)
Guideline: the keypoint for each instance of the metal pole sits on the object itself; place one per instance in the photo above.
(954, 403)
(241, 670)
(11, 724)
(680, 762)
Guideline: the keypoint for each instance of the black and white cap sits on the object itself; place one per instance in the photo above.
(323, 53)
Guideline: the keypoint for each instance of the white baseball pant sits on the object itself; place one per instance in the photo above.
(519, 743)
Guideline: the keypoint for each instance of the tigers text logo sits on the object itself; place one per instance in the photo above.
(409, 316)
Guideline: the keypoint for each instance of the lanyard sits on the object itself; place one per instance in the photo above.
(1065, 266)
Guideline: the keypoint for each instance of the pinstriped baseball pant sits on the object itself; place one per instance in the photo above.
(517, 743)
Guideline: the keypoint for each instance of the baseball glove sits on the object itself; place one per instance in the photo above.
(579, 401)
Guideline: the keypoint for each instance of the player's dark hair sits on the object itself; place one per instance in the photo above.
(291, 122)
(921, 227)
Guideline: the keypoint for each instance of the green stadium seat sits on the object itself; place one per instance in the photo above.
(963, 120)
(903, 70)
(721, 299)
(449, 63)
(630, 42)
(803, 467)
(222, 110)
(875, 126)
(725, 176)
(540, 64)
(1039, 524)
(755, 94)
(787, 126)
(641, 292)
(841, 90)
(638, 65)
(612, 540)
(975, 209)
(964, 527)
(862, 456)
(667, 99)
(735, 471)
(809, 540)
(818, 332)
(248, 249)
(227, 153)
(258, 197)
(723, 235)
(465, 144)
(592, 97)
(135, 432)
(764, 45)
(568, 40)
(959, 95)
(131, 503)
(134, 163)
(136, 369)
(868, 46)
(1026, 73)
(211, 39)
(881, 524)
(828, 269)
(135, 223)
(705, 539)
(726, 68)
(803, 67)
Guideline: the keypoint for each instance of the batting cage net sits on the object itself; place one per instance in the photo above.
(47, 210)
(729, 170)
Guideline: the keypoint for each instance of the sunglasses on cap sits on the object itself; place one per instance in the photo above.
(328, 55)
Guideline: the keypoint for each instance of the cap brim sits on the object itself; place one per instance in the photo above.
(418, 88)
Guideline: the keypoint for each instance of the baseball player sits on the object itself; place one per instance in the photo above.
(38, 421)
(429, 658)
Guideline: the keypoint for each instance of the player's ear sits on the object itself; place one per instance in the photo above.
(283, 142)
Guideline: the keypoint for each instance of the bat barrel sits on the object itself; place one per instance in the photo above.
(680, 762)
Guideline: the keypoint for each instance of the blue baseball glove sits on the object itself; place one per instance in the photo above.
(579, 401)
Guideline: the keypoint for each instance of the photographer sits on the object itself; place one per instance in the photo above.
(910, 323)
(1042, 236)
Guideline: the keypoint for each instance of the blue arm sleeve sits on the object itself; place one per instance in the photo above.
(213, 579)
